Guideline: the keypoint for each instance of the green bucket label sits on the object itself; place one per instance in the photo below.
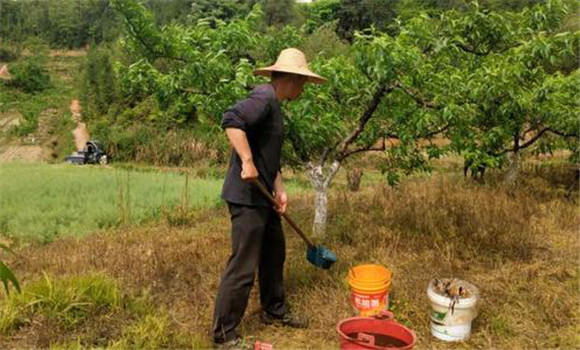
(438, 316)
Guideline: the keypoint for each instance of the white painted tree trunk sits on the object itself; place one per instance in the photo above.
(320, 211)
(320, 181)
(514, 168)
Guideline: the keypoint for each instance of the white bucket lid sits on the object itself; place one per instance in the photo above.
(461, 303)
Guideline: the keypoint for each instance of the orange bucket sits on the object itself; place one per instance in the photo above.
(370, 286)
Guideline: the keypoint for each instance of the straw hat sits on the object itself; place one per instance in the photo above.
(291, 61)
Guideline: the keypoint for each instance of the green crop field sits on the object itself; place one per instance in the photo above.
(45, 201)
(42, 201)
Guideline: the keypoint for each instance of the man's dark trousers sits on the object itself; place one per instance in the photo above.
(257, 244)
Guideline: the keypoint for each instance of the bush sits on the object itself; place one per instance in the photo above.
(321, 12)
(98, 86)
(324, 42)
(8, 54)
(30, 76)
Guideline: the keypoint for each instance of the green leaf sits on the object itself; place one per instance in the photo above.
(6, 276)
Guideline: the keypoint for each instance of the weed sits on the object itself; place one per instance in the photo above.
(68, 302)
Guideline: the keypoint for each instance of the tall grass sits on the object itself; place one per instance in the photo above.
(40, 201)
(90, 311)
(68, 302)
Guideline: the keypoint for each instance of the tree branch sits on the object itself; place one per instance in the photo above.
(434, 132)
(563, 134)
(368, 113)
(525, 144)
(331, 172)
(472, 51)
(369, 148)
(416, 96)
(147, 47)
(323, 156)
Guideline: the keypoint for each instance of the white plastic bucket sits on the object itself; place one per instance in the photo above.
(448, 324)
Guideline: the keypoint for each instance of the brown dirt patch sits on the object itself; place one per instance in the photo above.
(81, 134)
(23, 154)
(68, 53)
(75, 109)
(4, 73)
(9, 119)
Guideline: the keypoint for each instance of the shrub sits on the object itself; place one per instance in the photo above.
(8, 54)
(30, 76)
(98, 86)
(325, 42)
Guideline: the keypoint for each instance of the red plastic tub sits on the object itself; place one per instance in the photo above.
(379, 332)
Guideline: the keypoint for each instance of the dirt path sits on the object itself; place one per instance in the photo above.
(4, 73)
(81, 134)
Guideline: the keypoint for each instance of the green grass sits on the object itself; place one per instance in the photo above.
(91, 312)
(43, 202)
(69, 301)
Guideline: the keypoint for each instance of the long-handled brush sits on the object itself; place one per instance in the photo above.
(317, 255)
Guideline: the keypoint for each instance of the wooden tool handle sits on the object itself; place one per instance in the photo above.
(291, 222)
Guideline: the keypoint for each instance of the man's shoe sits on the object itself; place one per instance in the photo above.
(288, 320)
(235, 344)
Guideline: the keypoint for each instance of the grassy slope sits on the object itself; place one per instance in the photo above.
(519, 246)
(46, 115)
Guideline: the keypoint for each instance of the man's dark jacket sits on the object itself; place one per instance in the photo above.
(261, 118)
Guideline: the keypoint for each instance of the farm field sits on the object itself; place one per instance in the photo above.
(44, 202)
(519, 246)
(437, 139)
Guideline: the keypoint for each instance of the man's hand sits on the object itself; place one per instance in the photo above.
(282, 200)
(249, 171)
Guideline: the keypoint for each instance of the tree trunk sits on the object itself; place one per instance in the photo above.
(514, 168)
(320, 181)
(514, 163)
(320, 211)
(354, 177)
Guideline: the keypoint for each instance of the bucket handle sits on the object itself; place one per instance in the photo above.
(385, 315)
(366, 338)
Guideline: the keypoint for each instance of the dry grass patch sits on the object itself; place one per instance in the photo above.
(520, 249)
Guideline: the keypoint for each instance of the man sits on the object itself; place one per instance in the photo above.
(254, 127)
